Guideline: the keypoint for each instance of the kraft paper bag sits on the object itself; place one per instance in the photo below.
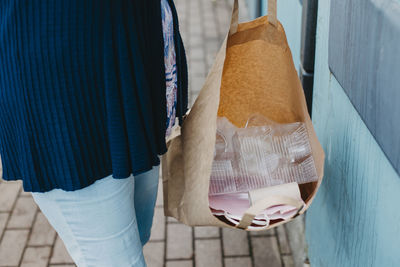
(253, 73)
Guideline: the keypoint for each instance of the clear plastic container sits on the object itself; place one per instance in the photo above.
(264, 153)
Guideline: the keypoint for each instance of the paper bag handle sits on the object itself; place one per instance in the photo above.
(235, 15)
(267, 202)
(272, 13)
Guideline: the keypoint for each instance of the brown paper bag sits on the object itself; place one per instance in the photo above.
(252, 73)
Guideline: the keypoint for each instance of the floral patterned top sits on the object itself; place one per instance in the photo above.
(170, 64)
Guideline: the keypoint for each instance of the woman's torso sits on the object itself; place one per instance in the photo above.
(81, 90)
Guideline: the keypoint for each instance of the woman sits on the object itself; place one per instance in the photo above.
(88, 91)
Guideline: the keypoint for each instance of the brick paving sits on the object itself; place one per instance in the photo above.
(27, 239)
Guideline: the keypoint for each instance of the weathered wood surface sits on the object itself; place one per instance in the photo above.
(354, 220)
(364, 56)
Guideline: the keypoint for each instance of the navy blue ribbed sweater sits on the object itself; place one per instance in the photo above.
(82, 90)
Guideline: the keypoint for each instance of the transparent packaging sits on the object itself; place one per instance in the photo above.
(262, 154)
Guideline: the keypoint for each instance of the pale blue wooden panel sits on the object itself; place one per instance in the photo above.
(354, 220)
(254, 8)
(364, 56)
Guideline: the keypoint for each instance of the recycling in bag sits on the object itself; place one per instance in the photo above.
(247, 155)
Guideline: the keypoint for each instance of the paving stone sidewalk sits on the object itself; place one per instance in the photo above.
(27, 239)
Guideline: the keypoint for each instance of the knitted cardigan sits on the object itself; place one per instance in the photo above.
(82, 90)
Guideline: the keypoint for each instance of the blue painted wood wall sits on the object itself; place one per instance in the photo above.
(354, 220)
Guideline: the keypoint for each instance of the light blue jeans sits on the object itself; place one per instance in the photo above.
(107, 223)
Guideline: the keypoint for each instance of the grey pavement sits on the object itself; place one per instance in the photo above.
(27, 239)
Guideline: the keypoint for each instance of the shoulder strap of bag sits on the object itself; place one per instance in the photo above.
(266, 202)
(272, 18)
